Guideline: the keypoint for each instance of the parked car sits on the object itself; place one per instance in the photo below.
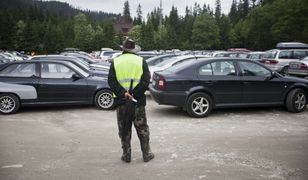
(255, 56)
(50, 82)
(232, 54)
(198, 86)
(81, 64)
(89, 59)
(106, 54)
(93, 63)
(171, 62)
(279, 59)
(3, 60)
(299, 68)
(158, 59)
(147, 54)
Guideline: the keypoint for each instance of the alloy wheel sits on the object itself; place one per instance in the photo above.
(7, 104)
(105, 100)
(200, 105)
(300, 101)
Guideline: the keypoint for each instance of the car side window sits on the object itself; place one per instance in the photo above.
(285, 55)
(223, 68)
(19, 70)
(253, 69)
(206, 70)
(299, 54)
(54, 70)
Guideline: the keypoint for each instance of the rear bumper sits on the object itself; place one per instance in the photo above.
(298, 72)
(276, 68)
(168, 98)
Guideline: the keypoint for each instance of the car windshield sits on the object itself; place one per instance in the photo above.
(82, 64)
(270, 54)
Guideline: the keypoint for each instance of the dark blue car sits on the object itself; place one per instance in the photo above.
(50, 82)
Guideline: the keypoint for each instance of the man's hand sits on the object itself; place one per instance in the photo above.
(128, 96)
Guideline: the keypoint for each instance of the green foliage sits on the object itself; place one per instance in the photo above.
(135, 34)
(48, 27)
(205, 33)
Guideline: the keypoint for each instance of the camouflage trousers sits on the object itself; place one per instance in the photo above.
(141, 126)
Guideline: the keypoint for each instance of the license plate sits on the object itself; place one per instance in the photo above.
(296, 66)
(154, 82)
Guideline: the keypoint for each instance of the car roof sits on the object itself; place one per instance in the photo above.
(291, 45)
(53, 56)
(40, 61)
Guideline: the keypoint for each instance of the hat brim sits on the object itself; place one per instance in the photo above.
(135, 50)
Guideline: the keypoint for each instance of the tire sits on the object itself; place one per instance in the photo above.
(296, 101)
(9, 103)
(199, 105)
(104, 99)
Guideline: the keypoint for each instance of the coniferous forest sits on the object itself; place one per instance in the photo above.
(49, 27)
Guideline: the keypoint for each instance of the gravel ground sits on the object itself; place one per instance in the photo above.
(82, 143)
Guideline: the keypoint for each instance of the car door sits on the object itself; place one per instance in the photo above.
(57, 84)
(20, 73)
(258, 87)
(222, 79)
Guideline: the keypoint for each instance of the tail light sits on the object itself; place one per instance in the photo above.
(268, 61)
(304, 66)
(161, 83)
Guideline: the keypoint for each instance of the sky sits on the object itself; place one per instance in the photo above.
(116, 6)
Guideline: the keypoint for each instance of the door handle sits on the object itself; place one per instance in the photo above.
(246, 83)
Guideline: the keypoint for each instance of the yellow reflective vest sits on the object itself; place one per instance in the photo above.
(128, 67)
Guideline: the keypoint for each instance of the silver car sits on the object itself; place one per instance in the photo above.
(279, 59)
(299, 68)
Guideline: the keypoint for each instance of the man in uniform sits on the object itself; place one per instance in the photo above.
(131, 72)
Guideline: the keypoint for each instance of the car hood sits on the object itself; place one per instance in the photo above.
(295, 79)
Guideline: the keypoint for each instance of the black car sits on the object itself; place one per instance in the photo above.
(198, 86)
(50, 82)
(81, 64)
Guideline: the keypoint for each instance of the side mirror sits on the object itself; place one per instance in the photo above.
(271, 76)
(76, 77)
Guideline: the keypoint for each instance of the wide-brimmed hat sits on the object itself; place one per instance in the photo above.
(129, 45)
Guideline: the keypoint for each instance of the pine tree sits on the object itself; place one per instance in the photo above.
(126, 11)
(138, 19)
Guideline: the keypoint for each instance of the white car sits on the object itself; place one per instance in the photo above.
(299, 68)
(171, 62)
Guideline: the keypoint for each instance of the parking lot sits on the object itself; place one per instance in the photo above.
(82, 143)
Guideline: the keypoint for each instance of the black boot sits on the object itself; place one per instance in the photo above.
(148, 156)
(126, 156)
(146, 151)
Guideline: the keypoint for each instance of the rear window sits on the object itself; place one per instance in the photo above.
(298, 54)
(180, 66)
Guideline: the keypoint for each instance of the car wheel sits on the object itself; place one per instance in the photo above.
(104, 99)
(296, 101)
(199, 105)
(9, 103)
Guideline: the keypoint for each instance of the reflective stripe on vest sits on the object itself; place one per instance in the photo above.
(128, 67)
